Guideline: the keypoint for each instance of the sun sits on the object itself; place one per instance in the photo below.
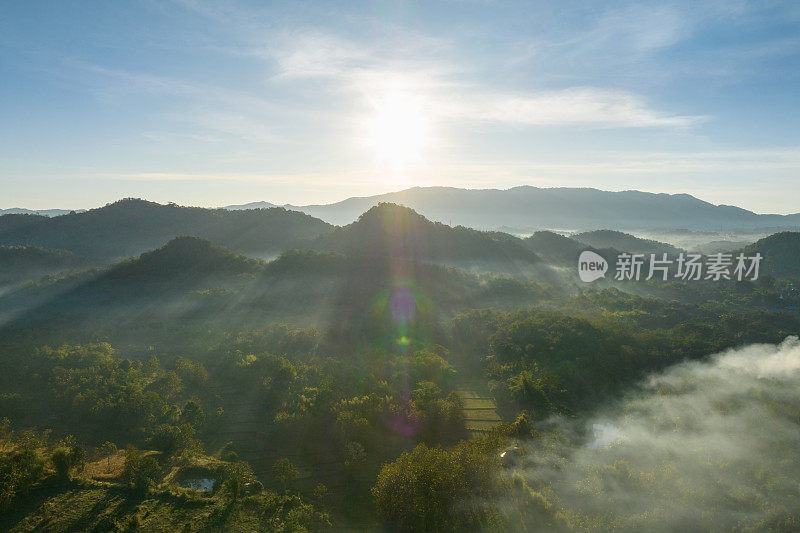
(398, 130)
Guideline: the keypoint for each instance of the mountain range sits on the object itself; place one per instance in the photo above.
(196, 269)
(42, 212)
(131, 226)
(527, 209)
(35, 245)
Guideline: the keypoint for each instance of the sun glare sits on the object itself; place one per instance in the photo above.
(398, 131)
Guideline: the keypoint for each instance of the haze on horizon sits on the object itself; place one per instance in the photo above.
(213, 104)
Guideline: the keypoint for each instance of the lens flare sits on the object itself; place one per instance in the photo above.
(402, 304)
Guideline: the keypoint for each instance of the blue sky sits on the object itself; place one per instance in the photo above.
(214, 103)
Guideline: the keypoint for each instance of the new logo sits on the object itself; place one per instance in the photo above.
(591, 266)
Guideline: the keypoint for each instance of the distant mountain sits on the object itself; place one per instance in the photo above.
(780, 252)
(623, 242)
(251, 205)
(532, 208)
(399, 233)
(42, 212)
(130, 227)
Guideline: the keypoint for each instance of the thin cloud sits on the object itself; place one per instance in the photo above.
(313, 54)
(230, 114)
(589, 164)
(367, 72)
(578, 105)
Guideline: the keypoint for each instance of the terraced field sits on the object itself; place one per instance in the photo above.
(480, 411)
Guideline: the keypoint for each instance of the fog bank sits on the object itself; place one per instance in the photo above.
(707, 445)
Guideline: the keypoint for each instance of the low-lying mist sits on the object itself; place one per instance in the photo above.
(707, 445)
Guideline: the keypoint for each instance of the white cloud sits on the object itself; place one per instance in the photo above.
(367, 73)
(635, 29)
(313, 54)
(577, 105)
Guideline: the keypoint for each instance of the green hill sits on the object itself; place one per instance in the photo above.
(555, 248)
(19, 264)
(390, 231)
(129, 227)
(780, 252)
(167, 282)
(192, 281)
(183, 258)
(624, 242)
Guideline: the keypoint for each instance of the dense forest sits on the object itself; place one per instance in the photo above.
(180, 369)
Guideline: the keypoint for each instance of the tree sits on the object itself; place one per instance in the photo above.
(285, 472)
(236, 475)
(153, 365)
(193, 414)
(19, 471)
(133, 458)
(78, 457)
(195, 373)
(355, 454)
(108, 449)
(521, 427)
(147, 475)
(436, 489)
(320, 491)
(140, 471)
(60, 459)
(172, 439)
(66, 459)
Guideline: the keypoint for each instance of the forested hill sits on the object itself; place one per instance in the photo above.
(129, 227)
(190, 280)
(185, 258)
(555, 248)
(618, 240)
(153, 286)
(781, 254)
(390, 230)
